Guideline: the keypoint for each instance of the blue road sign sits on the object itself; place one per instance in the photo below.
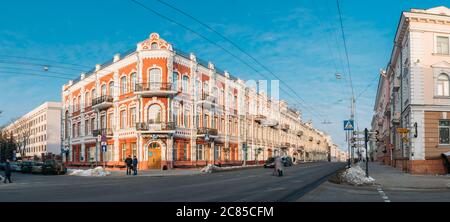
(104, 148)
(348, 124)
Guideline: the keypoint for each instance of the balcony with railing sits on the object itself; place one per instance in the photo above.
(108, 132)
(102, 102)
(155, 127)
(155, 89)
(285, 144)
(202, 131)
(206, 98)
(285, 127)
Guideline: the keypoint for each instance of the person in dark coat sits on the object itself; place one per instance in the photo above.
(7, 171)
(135, 164)
(129, 162)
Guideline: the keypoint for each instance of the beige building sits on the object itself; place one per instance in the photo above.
(39, 131)
(419, 93)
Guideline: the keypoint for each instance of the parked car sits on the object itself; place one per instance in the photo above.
(270, 163)
(287, 161)
(37, 167)
(53, 167)
(2, 166)
(27, 166)
(16, 166)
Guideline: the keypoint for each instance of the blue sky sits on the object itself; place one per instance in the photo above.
(298, 40)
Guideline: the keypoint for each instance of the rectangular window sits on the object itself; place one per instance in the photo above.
(175, 150)
(199, 152)
(442, 45)
(92, 125)
(185, 157)
(134, 149)
(444, 129)
(132, 116)
(86, 127)
(123, 119)
(124, 151)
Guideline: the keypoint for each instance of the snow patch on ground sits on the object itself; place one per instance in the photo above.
(213, 168)
(96, 172)
(357, 176)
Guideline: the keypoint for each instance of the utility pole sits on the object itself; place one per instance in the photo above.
(366, 139)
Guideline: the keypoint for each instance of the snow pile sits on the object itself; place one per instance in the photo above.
(213, 168)
(357, 176)
(209, 169)
(96, 172)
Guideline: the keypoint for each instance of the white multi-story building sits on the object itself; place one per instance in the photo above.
(38, 132)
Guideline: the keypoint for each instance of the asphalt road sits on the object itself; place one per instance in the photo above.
(235, 186)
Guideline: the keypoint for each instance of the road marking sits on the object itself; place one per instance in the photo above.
(382, 194)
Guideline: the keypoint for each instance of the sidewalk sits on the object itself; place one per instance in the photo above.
(392, 178)
(159, 173)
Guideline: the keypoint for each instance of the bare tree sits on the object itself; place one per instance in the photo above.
(23, 138)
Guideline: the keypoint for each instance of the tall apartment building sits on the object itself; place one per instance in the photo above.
(171, 109)
(415, 93)
(39, 131)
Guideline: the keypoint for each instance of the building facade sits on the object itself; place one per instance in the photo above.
(171, 109)
(418, 94)
(38, 132)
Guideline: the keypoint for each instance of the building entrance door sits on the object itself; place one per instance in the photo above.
(154, 156)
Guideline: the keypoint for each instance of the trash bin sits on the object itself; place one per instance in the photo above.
(446, 157)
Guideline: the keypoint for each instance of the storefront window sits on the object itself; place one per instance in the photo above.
(444, 126)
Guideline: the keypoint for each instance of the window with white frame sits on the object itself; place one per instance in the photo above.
(154, 114)
(123, 85)
(155, 78)
(443, 85)
(199, 153)
(175, 80)
(133, 80)
(444, 132)
(442, 45)
(123, 119)
(103, 90)
(185, 84)
(111, 88)
(132, 116)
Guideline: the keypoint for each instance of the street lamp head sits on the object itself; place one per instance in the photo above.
(338, 76)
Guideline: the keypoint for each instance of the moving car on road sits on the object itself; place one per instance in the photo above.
(37, 167)
(270, 163)
(53, 167)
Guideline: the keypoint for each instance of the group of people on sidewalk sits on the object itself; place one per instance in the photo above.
(132, 165)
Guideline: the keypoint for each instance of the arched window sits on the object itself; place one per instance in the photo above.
(103, 90)
(133, 81)
(185, 86)
(93, 94)
(123, 85)
(154, 114)
(74, 105)
(205, 88)
(175, 80)
(87, 99)
(155, 78)
(198, 88)
(154, 45)
(66, 124)
(111, 88)
(443, 85)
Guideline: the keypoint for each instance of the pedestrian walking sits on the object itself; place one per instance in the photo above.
(135, 165)
(7, 171)
(129, 162)
(279, 166)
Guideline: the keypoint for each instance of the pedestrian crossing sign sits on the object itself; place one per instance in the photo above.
(348, 124)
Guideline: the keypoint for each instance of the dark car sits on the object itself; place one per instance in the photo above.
(37, 167)
(2, 166)
(270, 163)
(16, 166)
(287, 161)
(53, 167)
(27, 166)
